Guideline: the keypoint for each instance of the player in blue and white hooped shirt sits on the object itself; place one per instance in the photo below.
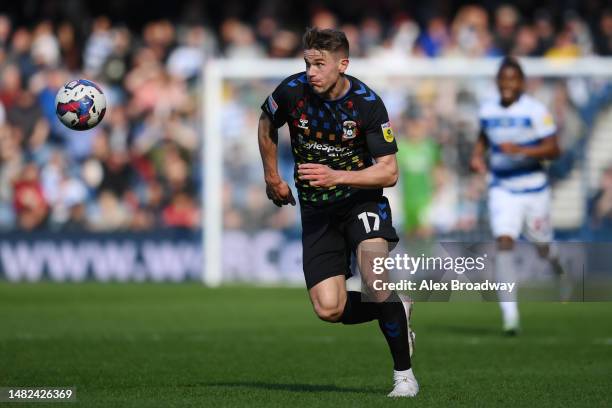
(519, 133)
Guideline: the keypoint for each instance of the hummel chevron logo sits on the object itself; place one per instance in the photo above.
(362, 90)
(392, 329)
(381, 212)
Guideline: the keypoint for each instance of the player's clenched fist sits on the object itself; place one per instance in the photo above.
(279, 192)
(478, 164)
(318, 175)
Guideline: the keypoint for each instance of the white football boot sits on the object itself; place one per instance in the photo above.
(404, 384)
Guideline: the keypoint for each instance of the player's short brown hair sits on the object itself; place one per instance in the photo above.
(325, 40)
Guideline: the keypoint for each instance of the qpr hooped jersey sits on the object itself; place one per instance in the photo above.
(344, 134)
(526, 122)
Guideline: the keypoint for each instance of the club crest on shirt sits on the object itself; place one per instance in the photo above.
(387, 132)
(303, 122)
(349, 130)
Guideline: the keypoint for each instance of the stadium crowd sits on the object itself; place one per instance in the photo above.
(140, 169)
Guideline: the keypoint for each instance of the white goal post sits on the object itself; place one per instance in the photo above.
(217, 71)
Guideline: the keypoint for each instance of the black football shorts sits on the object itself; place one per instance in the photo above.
(330, 234)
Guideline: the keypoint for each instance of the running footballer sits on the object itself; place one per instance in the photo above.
(344, 151)
(519, 133)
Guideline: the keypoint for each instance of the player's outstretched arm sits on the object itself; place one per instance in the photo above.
(383, 173)
(276, 188)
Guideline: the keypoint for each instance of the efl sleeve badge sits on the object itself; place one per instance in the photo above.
(387, 132)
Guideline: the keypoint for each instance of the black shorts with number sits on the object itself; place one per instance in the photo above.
(331, 233)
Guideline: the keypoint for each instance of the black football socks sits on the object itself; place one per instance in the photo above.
(393, 324)
(357, 311)
(391, 320)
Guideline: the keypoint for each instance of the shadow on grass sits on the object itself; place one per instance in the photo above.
(294, 387)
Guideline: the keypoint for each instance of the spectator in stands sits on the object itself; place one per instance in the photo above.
(20, 53)
(354, 39)
(195, 46)
(141, 162)
(108, 213)
(48, 82)
(11, 159)
(266, 29)
(603, 34)
(371, 34)
(153, 201)
(526, 42)
(401, 41)
(565, 46)
(545, 31)
(29, 200)
(26, 117)
(285, 44)
(70, 47)
(470, 33)
(182, 211)
(324, 18)
(159, 36)
(98, 47)
(45, 47)
(579, 31)
(10, 85)
(435, 39)
(65, 193)
(116, 64)
(239, 40)
(506, 26)
(5, 30)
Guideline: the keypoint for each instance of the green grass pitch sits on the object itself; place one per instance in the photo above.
(183, 345)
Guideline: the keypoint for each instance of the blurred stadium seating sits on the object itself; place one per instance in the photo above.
(140, 170)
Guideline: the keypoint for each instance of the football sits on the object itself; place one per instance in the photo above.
(80, 104)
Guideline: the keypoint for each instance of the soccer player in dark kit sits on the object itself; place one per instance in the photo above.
(344, 151)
